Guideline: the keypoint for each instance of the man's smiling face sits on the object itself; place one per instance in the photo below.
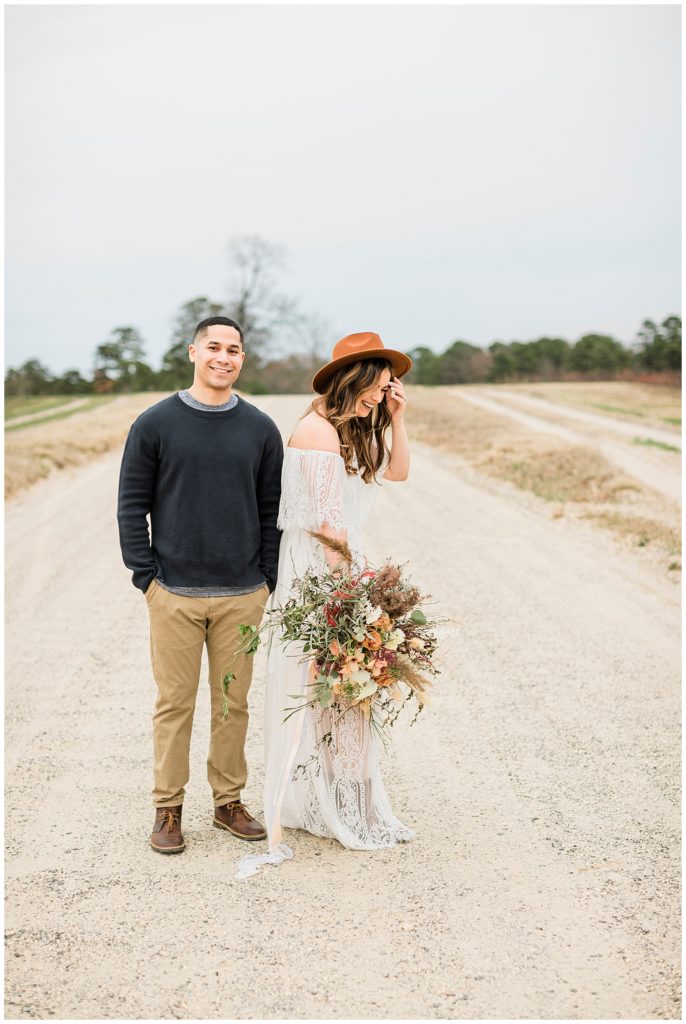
(218, 356)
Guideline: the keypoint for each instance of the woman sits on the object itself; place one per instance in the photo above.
(331, 470)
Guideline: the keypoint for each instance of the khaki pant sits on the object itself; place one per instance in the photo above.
(179, 627)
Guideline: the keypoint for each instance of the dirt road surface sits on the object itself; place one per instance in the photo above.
(542, 784)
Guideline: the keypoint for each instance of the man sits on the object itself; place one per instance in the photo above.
(206, 467)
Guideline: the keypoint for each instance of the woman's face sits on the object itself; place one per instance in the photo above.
(372, 396)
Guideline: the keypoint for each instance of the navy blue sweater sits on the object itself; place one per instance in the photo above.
(211, 483)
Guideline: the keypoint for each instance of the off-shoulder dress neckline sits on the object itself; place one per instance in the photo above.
(313, 451)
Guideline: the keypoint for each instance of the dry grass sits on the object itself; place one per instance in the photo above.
(61, 412)
(579, 481)
(439, 418)
(19, 406)
(566, 474)
(547, 466)
(643, 404)
(641, 531)
(35, 451)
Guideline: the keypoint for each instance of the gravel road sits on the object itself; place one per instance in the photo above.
(542, 784)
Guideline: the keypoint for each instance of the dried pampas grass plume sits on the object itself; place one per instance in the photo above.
(408, 673)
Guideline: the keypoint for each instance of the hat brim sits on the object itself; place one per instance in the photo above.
(400, 363)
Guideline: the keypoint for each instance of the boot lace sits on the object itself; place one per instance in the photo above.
(237, 805)
(170, 819)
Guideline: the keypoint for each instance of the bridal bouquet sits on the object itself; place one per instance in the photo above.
(369, 642)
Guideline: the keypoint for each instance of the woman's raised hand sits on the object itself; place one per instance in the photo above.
(395, 398)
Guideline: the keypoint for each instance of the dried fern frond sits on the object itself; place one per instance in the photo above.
(339, 546)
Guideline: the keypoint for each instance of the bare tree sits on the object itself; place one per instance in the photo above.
(269, 319)
(292, 371)
(316, 339)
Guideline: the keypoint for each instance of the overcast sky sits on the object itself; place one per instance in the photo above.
(434, 172)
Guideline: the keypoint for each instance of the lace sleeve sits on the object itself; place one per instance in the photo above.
(312, 490)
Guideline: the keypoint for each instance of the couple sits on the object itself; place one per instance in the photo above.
(230, 516)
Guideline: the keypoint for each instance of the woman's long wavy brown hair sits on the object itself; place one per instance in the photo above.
(362, 437)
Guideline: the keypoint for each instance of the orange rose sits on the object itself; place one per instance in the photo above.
(384, 622)
(372, 640)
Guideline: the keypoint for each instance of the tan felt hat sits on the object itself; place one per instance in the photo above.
(355, 347)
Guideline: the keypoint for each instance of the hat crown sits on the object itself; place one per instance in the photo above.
(353, 343)
(358, 347)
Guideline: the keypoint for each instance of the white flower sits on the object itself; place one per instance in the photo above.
(396, 638)
(371, 614)
(360, 676)
(417, 643)
(367, 690)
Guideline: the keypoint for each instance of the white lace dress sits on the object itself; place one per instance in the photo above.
(340, 796)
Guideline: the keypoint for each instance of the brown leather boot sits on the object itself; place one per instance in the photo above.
(166, 833)
(235, 818)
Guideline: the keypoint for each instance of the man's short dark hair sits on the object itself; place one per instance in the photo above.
(212, 320)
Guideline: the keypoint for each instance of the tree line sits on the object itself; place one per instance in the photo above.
(655, 350)
(272, 322)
